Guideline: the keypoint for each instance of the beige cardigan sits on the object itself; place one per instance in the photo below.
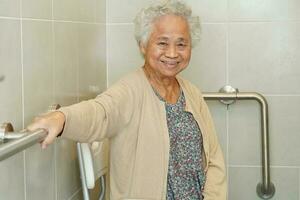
(134, 119)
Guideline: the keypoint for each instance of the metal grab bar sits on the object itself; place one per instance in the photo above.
(21, 140)
(25, 140)
(266, 189)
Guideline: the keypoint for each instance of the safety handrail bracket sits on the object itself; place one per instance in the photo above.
(228, 95)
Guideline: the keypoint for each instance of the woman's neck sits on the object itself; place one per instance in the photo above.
(167, 87)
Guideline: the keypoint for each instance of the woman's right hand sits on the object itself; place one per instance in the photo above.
(52, 122)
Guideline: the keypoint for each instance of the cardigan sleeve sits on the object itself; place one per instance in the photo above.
(216, 185)
(99, 118)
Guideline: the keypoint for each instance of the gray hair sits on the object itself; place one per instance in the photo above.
(145, 18)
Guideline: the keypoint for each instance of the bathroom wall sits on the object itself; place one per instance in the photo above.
(51, 51)
(253, 46)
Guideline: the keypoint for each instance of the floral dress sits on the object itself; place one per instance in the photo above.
(186, 177)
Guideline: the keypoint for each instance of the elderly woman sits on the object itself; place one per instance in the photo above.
(162, 139)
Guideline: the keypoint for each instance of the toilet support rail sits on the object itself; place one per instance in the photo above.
(228, 95)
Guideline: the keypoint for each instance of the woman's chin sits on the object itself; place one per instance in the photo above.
(170, 73)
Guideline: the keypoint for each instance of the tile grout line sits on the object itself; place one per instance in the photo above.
(77, 64)
(227, 47)
(50, 20)
(54, 100)
(259, 166)
(11, 18)
(95, 11)
(282, 95)
(227, 111)
(106, 41)
(23, 97)
(124, 23)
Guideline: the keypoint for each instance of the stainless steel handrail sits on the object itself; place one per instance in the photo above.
(266, 189)
(25, 140)
(18, 141)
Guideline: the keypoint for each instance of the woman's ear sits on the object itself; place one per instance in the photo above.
(142, 48)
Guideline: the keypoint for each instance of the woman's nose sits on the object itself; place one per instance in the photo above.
(171, 51)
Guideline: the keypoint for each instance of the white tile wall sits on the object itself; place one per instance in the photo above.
(252, 45)
(120, 39)
(210, 10)
(243, 182)
(91, 60)
(38, 68)
(100, 11)
(10, 8)
(124, 11)
(46, 52)
(75, 10)
(67, 169)
(244, 133)
(40, 173)
(264, 10)
(66, 62)
(37, 9)
(258, 51)
(284, 130)
(209, 57)
(12, 178)
(218, 112)
(11, 69)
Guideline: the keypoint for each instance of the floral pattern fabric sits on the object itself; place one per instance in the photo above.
(186, 177)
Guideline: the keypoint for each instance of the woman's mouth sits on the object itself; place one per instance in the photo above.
(170, 64)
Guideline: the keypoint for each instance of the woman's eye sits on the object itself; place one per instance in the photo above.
(162, 44)
(181, 45)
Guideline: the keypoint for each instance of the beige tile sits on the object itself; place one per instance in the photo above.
(12, 178)
(11, 70)
(40, 173)
(92, 60)
(101, 11)
(74, 10)
(265, 57)
(244, 133)
(243, 181)
(218, 112)
(66, 63)
(125, 11)
(264, 10)
(123, 52)
(207, 68)
(209, 10)
(37, 9)
(38, 68)
(10, 8)
(67, 168)
(284, 130)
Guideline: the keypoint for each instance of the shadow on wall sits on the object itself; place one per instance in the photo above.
(2, 77)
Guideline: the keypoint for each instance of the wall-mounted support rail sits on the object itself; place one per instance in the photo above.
(266, 188)
(15, 142)
(20, 142)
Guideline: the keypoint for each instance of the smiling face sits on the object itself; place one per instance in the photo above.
(168, 50)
